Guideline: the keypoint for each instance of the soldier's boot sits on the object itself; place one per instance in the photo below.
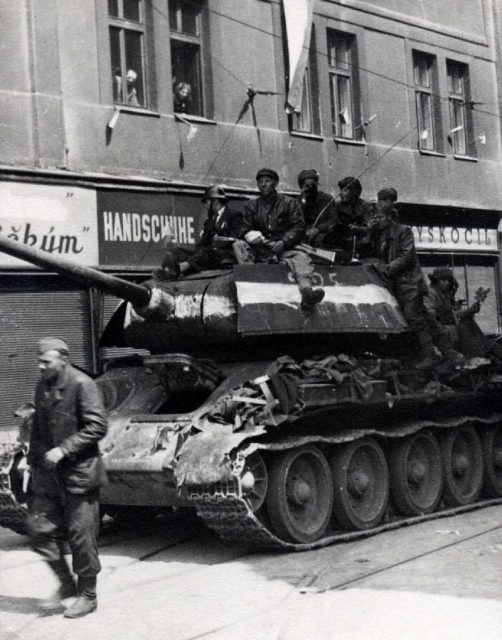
(450, 355)
(66, 589)
(170, 265)
(311, 297)
(427, 358)
(87, 600)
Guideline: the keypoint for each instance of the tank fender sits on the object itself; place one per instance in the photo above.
(205, 457)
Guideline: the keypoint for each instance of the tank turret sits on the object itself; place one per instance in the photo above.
(238, 308)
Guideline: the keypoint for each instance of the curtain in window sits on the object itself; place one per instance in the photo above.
(298, 17)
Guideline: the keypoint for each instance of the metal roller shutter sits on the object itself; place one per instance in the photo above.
(30, 309)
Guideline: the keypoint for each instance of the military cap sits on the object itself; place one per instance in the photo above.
(441, 273)
(214, 192)
(267, 173)
(307, 174)
(389, 193)
(351, 183)
(53, 344)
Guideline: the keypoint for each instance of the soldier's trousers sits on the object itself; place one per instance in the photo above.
(298, 261)
(55, 515)
(410, 297)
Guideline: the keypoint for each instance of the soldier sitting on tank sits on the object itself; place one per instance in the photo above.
(393, 245)
(318, 207)
(214, 249)
(272, 225)
(463, 330)
(349, 222)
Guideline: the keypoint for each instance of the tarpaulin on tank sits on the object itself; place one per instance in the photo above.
(355, 301)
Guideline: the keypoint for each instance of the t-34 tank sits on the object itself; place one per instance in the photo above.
(281, 427)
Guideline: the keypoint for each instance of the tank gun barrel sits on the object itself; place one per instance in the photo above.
(136, 294)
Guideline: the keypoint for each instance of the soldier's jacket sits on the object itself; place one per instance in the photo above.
(395, 247)
(280, 220)
(323, 204)
(229, 225)
(70, 415)
(440, 305)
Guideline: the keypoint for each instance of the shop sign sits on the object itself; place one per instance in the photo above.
(469, 239)
(132, 226)
(58, 219)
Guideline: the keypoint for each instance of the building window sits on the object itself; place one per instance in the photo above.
(127, 46)
(461, 134)
(185, 21)
(427, 102)
(308, 120)
(344, 85)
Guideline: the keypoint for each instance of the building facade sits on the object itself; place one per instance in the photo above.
(117, 114)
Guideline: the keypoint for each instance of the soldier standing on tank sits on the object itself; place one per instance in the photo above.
(214, 249)
(318, 207)
(272, 226)
(393, 245)
(67, 472)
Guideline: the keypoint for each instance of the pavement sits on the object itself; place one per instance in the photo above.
(433, 581)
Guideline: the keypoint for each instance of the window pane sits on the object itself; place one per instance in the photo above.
(187, 89)
(134, 68)
(458, 131)
(425, 121)
(455, 79)
(344, 115)
(113, 9)
(189, 22)
(116, 64)
(422, 72)
(339, 52)
(132, 10)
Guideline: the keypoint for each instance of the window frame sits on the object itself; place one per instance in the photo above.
(427, 94)
(351, 77)
(458, 102)
(122, 24)
(200, 40)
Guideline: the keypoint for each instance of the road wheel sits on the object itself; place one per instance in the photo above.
(254, 481)
(462, 465)
(300, 496)
(416, 478)
(361, 484)
(491, 441)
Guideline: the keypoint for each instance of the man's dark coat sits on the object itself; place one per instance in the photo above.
(70, 415)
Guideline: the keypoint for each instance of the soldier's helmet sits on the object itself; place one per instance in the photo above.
(214, 192)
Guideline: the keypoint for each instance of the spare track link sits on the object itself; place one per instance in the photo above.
(228, 514)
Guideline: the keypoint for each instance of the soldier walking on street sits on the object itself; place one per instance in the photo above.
(67, 472)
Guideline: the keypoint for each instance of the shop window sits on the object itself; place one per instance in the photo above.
(344, 85)
(461, 135)
(427, 102)
(308, 120)
(186, 25)
(127, 47)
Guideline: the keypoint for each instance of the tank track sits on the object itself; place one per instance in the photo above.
(13, 515)
(224, 509)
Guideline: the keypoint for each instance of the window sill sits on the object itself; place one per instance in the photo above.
(199, 119)
(304, 134)
(124, 108)
(357, 143)
(465, 158)
(427, 152)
